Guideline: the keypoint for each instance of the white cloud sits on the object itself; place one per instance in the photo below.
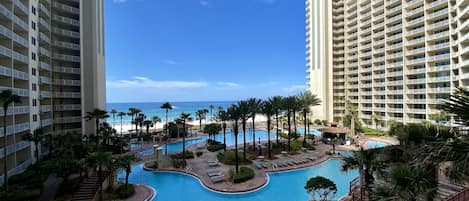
(145, 82)
(119, 1)
(204, 3)
(171, 62)
(228, 84)
(295, 88)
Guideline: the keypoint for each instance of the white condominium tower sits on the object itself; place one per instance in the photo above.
(393, 59)
(52, 56)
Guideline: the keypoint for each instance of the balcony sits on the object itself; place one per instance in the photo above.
(17, 91)
(415, 61)
(67, 95)
(440, 57)
(63, 32)
(18, 146)
(66, 8)
(416, 81)
(416, 111)
(416, 91)
(15, 129)
(440, 90)
(439, 79)
(8, 72)
(46, 122)
(65, 120)
(16, 110)
(69, 70)
(46, 108)
(66, 20)
(69, 58)
(67, 107)
(394, 83)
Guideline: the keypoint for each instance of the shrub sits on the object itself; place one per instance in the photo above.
(188, 155)
(293, 135)
(243, 175)
(153, 165)
(199, 153)
(228, 157)
(212, 142)
(324, 122)
(317, 121)
(21, 195)
(310, 146)
(375, 132)
(123, 192)
(296, 145)
(215, 147)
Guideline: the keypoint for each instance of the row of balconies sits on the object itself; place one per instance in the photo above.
(66, 20)
(64, 32)
(67, 45)
(69, 58)
(17, 91)
(20, 145)
(15, 129)
(67, 107)
(15, 110)
(67, 82)
(66, 8)
(44, 9)
(9, 34)
(8, 72)
(8, 14)
(62, 120)
(17, 56)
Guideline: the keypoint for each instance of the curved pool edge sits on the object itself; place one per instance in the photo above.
(243, 191)
(153, 192)
(212, 189)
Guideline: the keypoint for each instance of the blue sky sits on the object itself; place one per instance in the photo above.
(203, 50)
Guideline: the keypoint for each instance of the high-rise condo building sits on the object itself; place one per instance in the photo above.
(52, 56)
(392, 59)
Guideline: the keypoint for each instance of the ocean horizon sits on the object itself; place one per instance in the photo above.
(151, 109)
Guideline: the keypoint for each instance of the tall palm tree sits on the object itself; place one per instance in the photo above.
(243, 108)
(134, 112)
(125, 162)
(121, 115)
(184, 117)
(166, 106)
(296, 106)
(366, 161)
(211, 107)
(276, 102)
(288, 104)
(36, 137)
(254, 107)
(224, 116)
(114, 112)
(6, 98)
(458, 104)
(268, 110)
(97, 114)
(200, 116)
(100, 159)
(235, 115)
(308, 100)
(148, 123)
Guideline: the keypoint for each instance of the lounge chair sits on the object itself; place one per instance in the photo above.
(215, 164)
(217, 179)
(258, 166)
(212, 161)
(265, 165)
(214, 173)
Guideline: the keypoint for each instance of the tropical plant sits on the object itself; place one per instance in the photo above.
(156, 119)
(100, 159)
(276, 102)
(134, 112)
(148, 123)
(184, 117)
(235, 115)
(121, 116)
(200, 116)
(36, 137)
(223, 116)
(297, 105)
(268, 110)
(254, 107)
(97, 114)
(166, 106)
(6, 98)
(439, 118)
(113, 112)
(212, 129)
(125, 162)
(288, 104)
(323, 187)
(308, 100)
(211, 107)
(243, 108)
(458, 104)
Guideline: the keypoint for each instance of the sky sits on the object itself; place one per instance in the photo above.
(203, 50)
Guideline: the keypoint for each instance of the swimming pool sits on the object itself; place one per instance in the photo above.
(311, 131)
(282, 186)
(176, 147)
(375, 144)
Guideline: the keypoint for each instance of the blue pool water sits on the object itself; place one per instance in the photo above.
(283, 186)
(312, 131)
(176, 147)
(375, 144)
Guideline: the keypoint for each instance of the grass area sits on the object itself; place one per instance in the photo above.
(228, 158)
(374, 132)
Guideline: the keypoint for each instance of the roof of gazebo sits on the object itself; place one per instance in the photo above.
(187, 126)
(334, 130)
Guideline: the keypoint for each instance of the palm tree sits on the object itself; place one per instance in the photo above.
(125, 162)
(97, 114)
(100, 159)
(297, 106)
(134, 112)
(211, 107)
(308, 100)
(166, 106)
(268, 110)
(200, 116)
(184, 117)
(121, 115)
(235, 114)
(276, 102)
(113, 112)
(288, 104)
(254, 107)
(366, 161)
(148, 123)
(6, 98)
(458, 104)
(243, 107)
(156, 119)
(224, 116)
(37, 136)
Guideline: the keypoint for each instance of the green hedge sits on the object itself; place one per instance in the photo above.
(293, 135)
(243, 175)
(188, 155)
(124, 193)
(374, 132)
(215, 147)
(20, 195)
(228, 157)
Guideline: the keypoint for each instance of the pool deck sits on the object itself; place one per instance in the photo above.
(142, 193)
(198, 168)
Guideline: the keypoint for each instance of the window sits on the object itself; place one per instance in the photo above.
(33, 10)
(34, 102)
(33, 25)
(33, 40)
(33, 71)
(34, 87)
(34, 117)
(33, 56)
